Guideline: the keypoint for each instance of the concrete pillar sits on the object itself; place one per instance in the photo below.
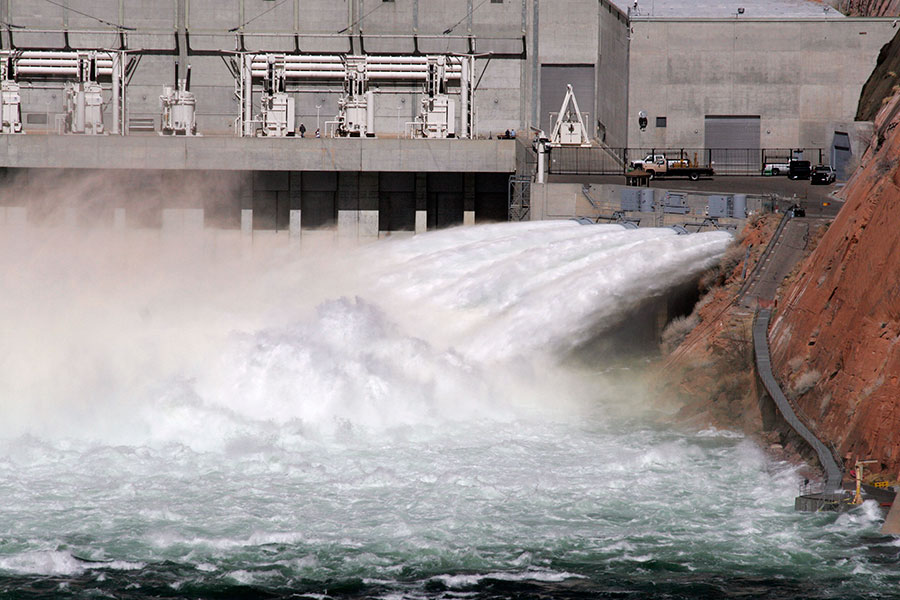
(13, 216)
(182, 220)
(348, 206)
(181, 26)
(891, 524)
(469, 199)
(119, 222)
(357, 206)
(294, 209)
(70, 217)
(368, 205)
(421, 202)
(247, 207)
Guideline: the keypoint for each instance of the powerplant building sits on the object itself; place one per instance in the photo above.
(387, 115)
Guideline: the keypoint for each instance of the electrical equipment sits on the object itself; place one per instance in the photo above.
(277, 105)
(356, 108)
(84, 98)
(10, 102)
(179, 107)
(443, 76)
(438, 116)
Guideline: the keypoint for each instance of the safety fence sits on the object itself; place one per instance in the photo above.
(723, 161)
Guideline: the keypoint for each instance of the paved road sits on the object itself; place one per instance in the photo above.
(791, 241)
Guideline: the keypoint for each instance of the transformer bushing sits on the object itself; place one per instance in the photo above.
(356, 108)
(437, 119)
(278, 113)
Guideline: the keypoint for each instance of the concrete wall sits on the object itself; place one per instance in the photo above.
(802, 77)
(568, 200)
(264, 154)
(612, 80)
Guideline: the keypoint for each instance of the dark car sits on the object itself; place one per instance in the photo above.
(799, 169)
(822, 175)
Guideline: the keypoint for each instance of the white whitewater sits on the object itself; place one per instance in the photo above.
(396, 418)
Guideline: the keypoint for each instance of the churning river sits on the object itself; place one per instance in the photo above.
(408, 419)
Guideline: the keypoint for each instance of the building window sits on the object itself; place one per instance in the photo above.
(496, 1)
(660, 121)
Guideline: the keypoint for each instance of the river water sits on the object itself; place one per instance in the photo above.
(401, 420)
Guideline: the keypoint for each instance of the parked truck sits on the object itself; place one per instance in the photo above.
(658, 165)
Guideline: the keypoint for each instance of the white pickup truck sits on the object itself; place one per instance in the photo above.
(657, 165)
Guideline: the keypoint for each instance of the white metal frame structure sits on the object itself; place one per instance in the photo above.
(75, 69)
(569, 129)
(356, 73)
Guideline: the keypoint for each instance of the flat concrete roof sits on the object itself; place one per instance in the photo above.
(256, 154)
(717, 9)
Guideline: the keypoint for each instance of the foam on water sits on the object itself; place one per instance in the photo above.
(395, 419)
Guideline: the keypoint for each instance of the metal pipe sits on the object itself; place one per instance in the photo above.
(115, 94)
(247, 90)
(464, 100)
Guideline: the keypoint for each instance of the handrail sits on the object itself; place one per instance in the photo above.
(833, 473)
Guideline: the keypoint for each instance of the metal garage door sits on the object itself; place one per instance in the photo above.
(733, 143)
(554, 79)
(840, 154)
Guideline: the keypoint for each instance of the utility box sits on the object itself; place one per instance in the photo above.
(739, 209)
(719, 206)
(630, 200)
(676, 204)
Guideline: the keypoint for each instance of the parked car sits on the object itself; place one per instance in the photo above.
(822, 174)
(799, 169)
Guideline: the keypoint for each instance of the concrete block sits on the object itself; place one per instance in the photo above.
(421, 221)
(468, 217)
(294, 225)
(348, 224)
(368, 223)
(119, 222)
(247, 222)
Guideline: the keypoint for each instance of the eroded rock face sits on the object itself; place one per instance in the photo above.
(836, 338)
(871, 8)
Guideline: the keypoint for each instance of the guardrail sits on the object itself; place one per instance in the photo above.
(724, 161)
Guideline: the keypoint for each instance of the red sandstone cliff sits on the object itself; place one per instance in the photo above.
(836, 337)
(870, 8)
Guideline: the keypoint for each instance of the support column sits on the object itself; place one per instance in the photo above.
(247, 207)
(421, 202)
(181, 24)
(469, 199)
(348, 206)
(116, 93)
(368, 205)
(119, 222)
(294, 210)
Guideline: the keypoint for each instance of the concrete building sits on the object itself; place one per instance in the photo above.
(706, 73)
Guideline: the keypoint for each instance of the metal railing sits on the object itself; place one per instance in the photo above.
(724, 161)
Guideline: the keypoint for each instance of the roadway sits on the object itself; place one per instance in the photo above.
(816, 199)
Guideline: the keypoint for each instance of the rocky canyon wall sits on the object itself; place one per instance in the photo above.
(836, 337)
